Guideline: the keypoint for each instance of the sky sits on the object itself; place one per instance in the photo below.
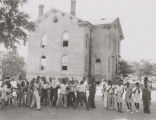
(137, 17)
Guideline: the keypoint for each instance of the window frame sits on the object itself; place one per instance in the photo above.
(42, 41)
(64, 62)
(65, 39)
(43, 67)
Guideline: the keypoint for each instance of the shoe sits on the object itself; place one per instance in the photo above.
(128, 110)
(118, 110)
(39, 109)
(131, 112)
(121, 111)
(137, 111)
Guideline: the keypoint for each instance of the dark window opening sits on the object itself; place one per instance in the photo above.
(43, 46)
(43, 67)
(64, 67)
(65, 43)
(98, 60)
(43, 57)
(55, 19)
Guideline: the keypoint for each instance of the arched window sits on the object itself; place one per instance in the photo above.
(64, 62)
(44, 40)
(55, 19)
(65, 39)
(43, 62)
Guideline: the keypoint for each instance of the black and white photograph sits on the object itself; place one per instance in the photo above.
(77, 59)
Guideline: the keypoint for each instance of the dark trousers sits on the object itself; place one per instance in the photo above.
(71, 99)
(44, 96)
(53, 97)
(81, 96)
(21, 100)
(146, 105)
(91, 100)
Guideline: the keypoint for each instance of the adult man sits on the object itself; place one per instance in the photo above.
(54, 91)
(146, 96)
(62, 94)
(81, 94)
(92, 91)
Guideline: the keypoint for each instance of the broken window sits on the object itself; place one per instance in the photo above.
(43, 63)
(44, 41)
(64, 62)
(65, 39)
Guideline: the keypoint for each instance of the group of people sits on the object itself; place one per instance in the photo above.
(114, 94)
(41, 91)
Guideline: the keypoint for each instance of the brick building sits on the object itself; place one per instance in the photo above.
(65, 45)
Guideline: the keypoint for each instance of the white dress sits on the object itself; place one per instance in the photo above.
(136, 95)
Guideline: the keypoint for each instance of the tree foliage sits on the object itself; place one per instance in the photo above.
(125, 68)
(12, 65)
(144, 67)
(14, 24)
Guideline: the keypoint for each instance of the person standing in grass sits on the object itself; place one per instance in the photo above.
(128, 97)
(110, 96)
(36, 95)
(137, 96)
(146, 96)
(119, 93)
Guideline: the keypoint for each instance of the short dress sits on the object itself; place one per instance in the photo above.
(136, 95)
(128, 97)
(119, 93)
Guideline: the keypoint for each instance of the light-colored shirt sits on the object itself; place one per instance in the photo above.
(119, 89)
(82, 88)
(136, 92)
(36, 87)
(63, 89)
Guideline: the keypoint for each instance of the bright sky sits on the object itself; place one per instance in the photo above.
(138, 21)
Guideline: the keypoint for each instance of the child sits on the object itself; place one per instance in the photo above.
(110, 96)
(128, 97)
(119, 92)
(137, 96)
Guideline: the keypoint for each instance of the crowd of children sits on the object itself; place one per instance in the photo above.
(114, 94)
(48, 92)
(41, 91)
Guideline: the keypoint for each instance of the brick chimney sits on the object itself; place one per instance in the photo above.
(73, 7)
(41, 7)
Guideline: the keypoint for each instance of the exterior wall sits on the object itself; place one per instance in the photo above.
(54, 50)
(103, 37)
(87, 48)
(83, 42)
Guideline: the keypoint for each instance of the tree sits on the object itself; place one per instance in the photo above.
(14, 24)
(147, 68)
(125, 68)
(13, 65)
